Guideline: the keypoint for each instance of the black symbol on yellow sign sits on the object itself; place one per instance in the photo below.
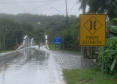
(92, 25)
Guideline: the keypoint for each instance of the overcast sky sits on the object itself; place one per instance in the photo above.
(45, 7)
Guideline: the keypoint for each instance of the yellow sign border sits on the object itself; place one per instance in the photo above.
(80, 28)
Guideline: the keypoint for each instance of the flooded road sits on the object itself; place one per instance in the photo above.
(29, 66)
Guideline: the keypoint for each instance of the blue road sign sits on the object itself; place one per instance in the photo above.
(57, 40)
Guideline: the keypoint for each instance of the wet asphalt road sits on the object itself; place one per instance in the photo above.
(38, 66)
(28, 66)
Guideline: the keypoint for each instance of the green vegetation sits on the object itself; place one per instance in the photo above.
(10, 30)
(36, 26)
(6, 51)
(55, 47)
(39, 22)
(102, 6)
(110, 56)
(90, 76)
(69, 34)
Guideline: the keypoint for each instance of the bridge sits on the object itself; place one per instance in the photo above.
(27, 42)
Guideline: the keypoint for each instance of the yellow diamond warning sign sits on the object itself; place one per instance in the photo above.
(92, 25)
(92, 30)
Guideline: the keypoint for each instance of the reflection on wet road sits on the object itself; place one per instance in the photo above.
(29, 67)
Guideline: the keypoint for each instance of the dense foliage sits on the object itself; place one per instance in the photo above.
(110, 56)
(108, 7)
(71, 37)
(37, 21)
(12, 33)
(110, 53)
(68, 32)
(37, 26)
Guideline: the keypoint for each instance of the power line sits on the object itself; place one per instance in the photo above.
(43, 5)
(59, 4)
(76, 12)
(73, 5)
(26, 2)
(44, 10)
(38, 7)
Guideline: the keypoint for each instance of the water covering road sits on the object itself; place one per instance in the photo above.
(29, 66)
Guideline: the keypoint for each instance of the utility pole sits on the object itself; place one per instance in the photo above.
(4, 29)
(66, 23)
(66, 12)
(4, 42)
(0, 39)
(16, 36)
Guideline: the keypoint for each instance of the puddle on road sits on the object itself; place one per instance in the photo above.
(25, 56)
(31, 66)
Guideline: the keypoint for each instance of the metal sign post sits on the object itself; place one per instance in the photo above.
(102, 63)
(92, 32)
(84, 7)
(81, 63)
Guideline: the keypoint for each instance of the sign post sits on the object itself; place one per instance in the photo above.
(81, 63)
(92, 32)
(102, 63)
(57, 40)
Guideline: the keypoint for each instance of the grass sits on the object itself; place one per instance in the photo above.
(6, 51)
(90, 76)
(55, 49)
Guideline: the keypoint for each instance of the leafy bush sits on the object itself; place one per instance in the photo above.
(71, 38)
(110, 56)
(55, 47)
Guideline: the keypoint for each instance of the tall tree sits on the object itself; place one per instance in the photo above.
(108, 7)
